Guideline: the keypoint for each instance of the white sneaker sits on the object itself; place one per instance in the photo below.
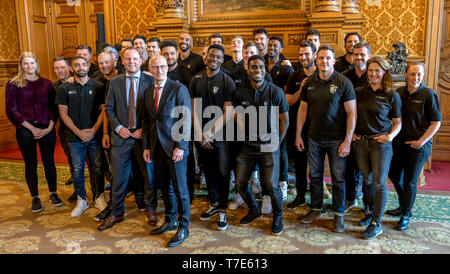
(266, 207)
(283, 187)
(236, 203)
(100, 202)
(81, 207)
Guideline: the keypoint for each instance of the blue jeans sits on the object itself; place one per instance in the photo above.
(373, 160)
(407, 163)
(316, 158)
(78, 151)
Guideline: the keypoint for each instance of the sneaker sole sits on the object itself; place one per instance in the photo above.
(80, 213)
(56, 205)
(222, 228)
(310, 221)
(37, 210)
(371, 238)
(208, 218)
(277, 233)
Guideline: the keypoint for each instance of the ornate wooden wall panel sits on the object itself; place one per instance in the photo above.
(133, 17)
(9, 39)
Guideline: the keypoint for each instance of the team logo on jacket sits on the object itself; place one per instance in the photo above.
(215, 90)
(333, 88)
(90, 92)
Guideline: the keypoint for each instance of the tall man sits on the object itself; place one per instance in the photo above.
(330, 99)
(192, 61)
(81, 108)
(123, 103)
(345, 62)
(261, 148)
(262, 40)
(213, 88)
(166, 143)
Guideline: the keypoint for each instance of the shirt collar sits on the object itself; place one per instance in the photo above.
(138, 74)
(162, 84)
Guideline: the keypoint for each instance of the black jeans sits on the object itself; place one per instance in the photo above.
(269, 168)
(301, 163)
(216, 165)
(27, 145)
(406, 165)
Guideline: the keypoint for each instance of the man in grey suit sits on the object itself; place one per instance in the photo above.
(166, 132)
(123, 103)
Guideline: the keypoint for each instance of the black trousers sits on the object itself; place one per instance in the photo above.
(27, 145)
(300, 162)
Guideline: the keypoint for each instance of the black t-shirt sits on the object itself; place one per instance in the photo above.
(268, 95)
(194, 63)
(214, 91)
(180, 74)
(83, 104)
(231, 66)
(241, 77)
(419, 110)
(342, 64)
(376, 110)
(279, 73)
(355, 79)
(326, 113)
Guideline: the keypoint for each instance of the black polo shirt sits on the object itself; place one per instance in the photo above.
(83, 104)
(231, 66)
(214, 91)
(93, 70)
(419, 110)
(62, 126)
(180, 74)
(342, 64)
(194, 63)
(267, 95)
(355, 79)
(326, 113)
(376, 110)
(279, 73)
(240, 76)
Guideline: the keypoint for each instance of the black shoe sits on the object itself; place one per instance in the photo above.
(105, 213)
(55, 200)
(73, 198)
(180, 236)
(213, 210)
(394, 212)
(69, 181)
(36, 205)
(403, 223)
(339, 224)
(366, 220)
(298, 201)
(252, 215)
(167, 226)
(277, 225)
(372, 231)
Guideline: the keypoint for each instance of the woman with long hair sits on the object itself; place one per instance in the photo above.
(30, 106)
(422, 118)
(378, 122)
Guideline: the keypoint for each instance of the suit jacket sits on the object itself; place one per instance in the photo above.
(158, 126)
(116, 106)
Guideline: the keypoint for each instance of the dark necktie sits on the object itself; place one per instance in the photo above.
(131, 105)
(156, 98)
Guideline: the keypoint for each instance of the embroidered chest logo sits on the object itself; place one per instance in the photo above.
(245, 103)
(72, 92)
(189, 66)
(333, 88)
(215, 90)
(417, 101)
(311, 88)
(90, 92)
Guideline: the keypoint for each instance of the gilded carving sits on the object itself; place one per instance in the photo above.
(134, 17)
(173, 4)
(9, 48)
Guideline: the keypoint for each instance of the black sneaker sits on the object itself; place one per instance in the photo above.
(252, 215)
(394, 212)
(366, 220)
(55, 200)
(298, 201)
(213, 210)
(372, 231)
(103, 215)
(222, 222)
(36, 205)
(311, 216)
(73, 198)
(277, 225)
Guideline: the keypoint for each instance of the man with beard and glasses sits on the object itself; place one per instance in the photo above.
(215, 88)
(176, 72)
(81, 108)
(345, 62)
(192, 61)
(307, 54)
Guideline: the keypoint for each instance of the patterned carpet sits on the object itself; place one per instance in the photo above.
(54, 231)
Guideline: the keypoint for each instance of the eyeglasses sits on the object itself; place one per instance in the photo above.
(163, 67)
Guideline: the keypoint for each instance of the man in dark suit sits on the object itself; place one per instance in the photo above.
(123, 103)
(166, 142)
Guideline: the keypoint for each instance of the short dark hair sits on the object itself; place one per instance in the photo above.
(312, 32)
(414, 63)
(261, 30)
(169, 43)
(155, 39)
(256, 56)
(361, 45)
(215, 46)
(61, 59)
(306, 44)
(85, 47)
(78, 57)
(140, 37)
(127, 39)
(279, 39)
(215, 35)
(350, 34)
(327, 47)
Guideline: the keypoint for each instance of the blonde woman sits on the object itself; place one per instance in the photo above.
(30, 106)
(379, 121)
